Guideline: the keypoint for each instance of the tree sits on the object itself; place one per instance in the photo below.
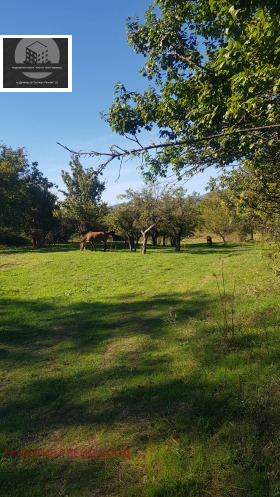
(182, 215)
(123, 220)
(214, 94)
(216, 214)
(64, 225)
(26, 200)
(83, 195)
(13, 198)
(149, 207)
(242, 197)
(41, 203)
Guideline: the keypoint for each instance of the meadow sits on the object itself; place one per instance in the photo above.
(127, 354)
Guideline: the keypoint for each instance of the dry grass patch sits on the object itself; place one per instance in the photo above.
(132, 346)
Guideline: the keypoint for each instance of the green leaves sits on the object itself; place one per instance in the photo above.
(233, 12)
(83, 195)
(195, 93)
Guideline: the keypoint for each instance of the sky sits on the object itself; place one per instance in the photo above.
(101, 58)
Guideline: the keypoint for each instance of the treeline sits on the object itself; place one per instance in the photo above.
(171, 215)
(243, 200)
(30, 211)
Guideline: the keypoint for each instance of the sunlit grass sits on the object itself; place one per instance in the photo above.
(117, 350)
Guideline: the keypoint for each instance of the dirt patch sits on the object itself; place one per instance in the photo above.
(131, 346)
(8, 266)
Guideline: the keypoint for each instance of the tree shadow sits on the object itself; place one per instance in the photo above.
(64, 247)
(119, 246)
(106, 365)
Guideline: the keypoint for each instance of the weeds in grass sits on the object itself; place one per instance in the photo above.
(226, 300)
(172, 316)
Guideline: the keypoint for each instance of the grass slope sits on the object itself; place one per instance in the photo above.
(122, 351)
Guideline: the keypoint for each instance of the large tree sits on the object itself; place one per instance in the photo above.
(41, 203)
(217, 215)
(150, 208)
(214, 68)
(13, 198)
(248, 197)
(182, 215)
(83, 195)
(27, 201)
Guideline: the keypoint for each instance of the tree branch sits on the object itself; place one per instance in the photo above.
(148, 229)
(123, 152)
(190, 62)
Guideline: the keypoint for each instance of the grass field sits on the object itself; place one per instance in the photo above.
(120, 351)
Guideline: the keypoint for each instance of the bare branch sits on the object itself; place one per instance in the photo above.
(119, 170)
(135, 139)
(114, 154)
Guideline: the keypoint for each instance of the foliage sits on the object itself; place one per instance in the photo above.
(242, 199)
(214, 93)
(216, 214)
(41, 203)
(83, 195)
(155, 211)
(123, 220)
(26, 200)
(149, 206)
(182, 215)
(13, 199)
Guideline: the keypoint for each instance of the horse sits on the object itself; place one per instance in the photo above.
(209, 241)
(94, 237)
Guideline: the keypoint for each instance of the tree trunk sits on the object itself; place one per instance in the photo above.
(154, 240)
(252, 234)
(172, 241)
(131, 243)
(144, 243)
(136, 244)
(145, 237)
(177, 244)
(223, 237)
(163, 241)
(81, 227)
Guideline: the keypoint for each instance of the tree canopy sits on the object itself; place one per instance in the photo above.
(214, 87)
(27, 202)
(83, 195)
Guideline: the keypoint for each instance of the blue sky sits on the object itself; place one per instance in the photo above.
(101, 58)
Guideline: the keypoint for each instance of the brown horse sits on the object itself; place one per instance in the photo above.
(94, 237)
(209, 241)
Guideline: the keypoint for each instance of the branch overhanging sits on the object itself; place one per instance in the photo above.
(121, 153)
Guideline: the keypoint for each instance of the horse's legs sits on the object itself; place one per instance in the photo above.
(104, 246)
(92, 245)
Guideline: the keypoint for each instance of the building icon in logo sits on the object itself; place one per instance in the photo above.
(37, 53)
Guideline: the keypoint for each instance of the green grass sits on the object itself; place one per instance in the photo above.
(117, 350)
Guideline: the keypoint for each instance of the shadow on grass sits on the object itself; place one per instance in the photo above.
(193, 248)
(217, 248)
(67, 384)
(32, 325)
(63, 247)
